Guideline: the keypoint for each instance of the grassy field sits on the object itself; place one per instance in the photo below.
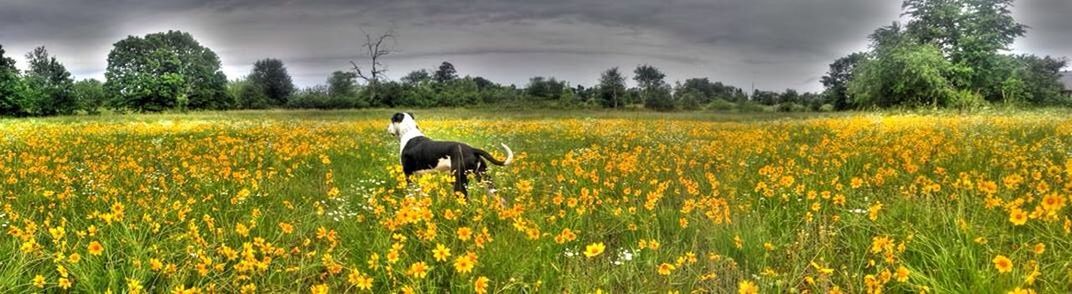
(620, 202)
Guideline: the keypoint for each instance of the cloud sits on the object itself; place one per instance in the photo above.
(775, 44)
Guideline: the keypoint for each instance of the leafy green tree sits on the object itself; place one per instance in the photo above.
(248, 95)
(689, 98)
(11, 87)
(483, 84)
(612, 88)
(90, 95)
(270, 76)
(165, 70)
(653, 89)
(790, 96)
(458, 92)
(1038, 78)
(970, 33)
(541, 88)
(50, 83)
(706, 91)
(342, 84)
(417, 77)
(908, 74)
(765, 97)
(445, 73)
(836, 80)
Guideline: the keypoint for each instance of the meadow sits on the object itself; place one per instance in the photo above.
(618, 202)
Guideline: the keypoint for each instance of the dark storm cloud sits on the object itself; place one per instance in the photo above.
(773, 43)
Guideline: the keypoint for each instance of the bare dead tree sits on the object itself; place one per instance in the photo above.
(376, 49)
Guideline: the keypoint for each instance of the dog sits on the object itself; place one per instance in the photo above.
(419, 154)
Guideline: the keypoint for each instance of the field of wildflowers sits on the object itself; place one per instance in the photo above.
(316, 202)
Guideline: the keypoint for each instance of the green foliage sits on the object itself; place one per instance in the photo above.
(458, 92)
(966, 100)
(970, 33)
(11, 87)
(658, 98)
(541, 88)
(445, 73)
(1035, 80)
(721, 105)
(417, 77)
(90, 95)
(342, 84)
(765, 97)
(790, 107)
(270, 77)
(948, 54)
(690, 99)
(611, 88)
(49, 85)
(152, 73)
(904, 74)
(320, 97)
(653, 89)
(836, 80)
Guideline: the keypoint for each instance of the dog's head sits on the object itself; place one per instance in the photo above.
(401, 123)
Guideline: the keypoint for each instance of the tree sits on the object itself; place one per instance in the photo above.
(483, 84)
(165, 70)
(836, 80)
(445, 73)
(655, 91)
(342, 84)
(789, 96)
(545, 88)
(271, 77)
(248, 95)
(375, 49)
(970, 33)
(704, 91)
(1039, 78)
(50, 85)
(908, 74)
(611, 88)
(648, 77)
(90, 95)
(417, 77)
(765, 97)
(10, 87)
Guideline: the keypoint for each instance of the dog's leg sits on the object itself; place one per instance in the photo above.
(460, 180)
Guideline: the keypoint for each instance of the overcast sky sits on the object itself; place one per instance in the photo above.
(775, 44)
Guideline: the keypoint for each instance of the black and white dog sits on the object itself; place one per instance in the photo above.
(420, 154)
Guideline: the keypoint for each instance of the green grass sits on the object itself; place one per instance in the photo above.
(729, 197)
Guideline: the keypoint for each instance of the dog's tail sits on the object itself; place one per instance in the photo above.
(486, 155)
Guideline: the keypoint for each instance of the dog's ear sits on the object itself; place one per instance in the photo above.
(411, 116)
(398, 117)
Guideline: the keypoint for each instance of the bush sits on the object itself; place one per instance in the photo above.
(967, 100)
(721, 105)
(658, 99)
(319, 97)
(90, 95)
(906, 75)
(747, 106)
(790, 107)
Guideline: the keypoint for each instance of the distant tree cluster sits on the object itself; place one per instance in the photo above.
(172, 71)
(45, 89)
(948, 54)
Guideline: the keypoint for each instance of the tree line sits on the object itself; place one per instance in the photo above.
(947, 54)
(172, 71)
